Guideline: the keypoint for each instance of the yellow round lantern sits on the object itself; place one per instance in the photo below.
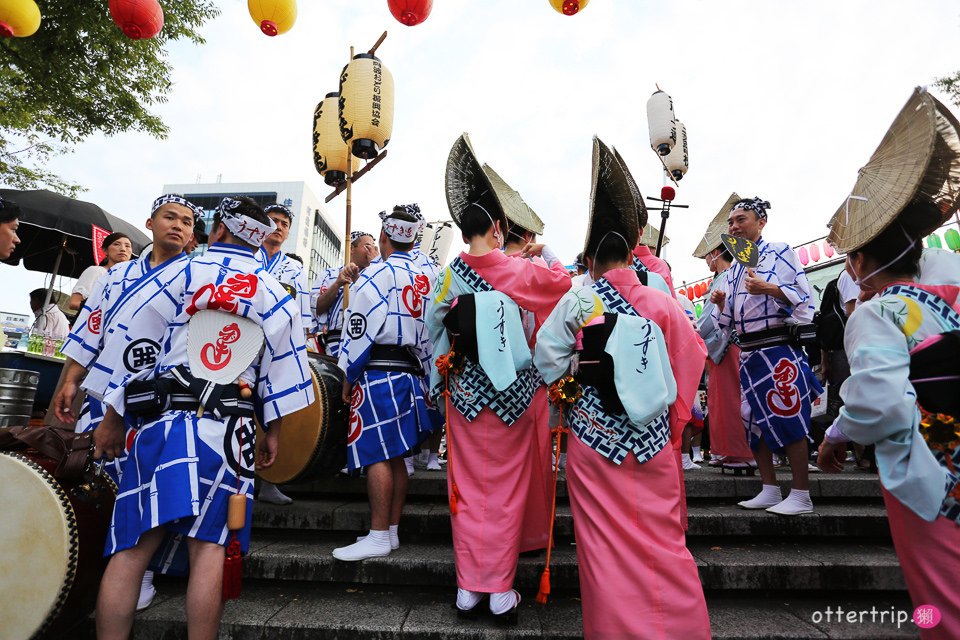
(19, 18)
(660, 119)
(366, 105)
(678, 160)
(329, 149)
(273, 16)
(569, 7)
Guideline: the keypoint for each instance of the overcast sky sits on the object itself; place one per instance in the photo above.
(783, 100)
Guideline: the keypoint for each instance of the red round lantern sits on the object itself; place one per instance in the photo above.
(138, 19)
(410, 12)
(668, 193)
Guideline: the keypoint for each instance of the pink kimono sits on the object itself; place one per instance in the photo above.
(727, 435)
(655, 264)
(493, 464)
(637, 578)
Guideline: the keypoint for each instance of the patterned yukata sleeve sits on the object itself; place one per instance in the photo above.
(284, 383)
(442, 297)
(320, 285)
(557, 338)
(788, 274)
(84, 343)
(723, 314)
(303, 300)
(365, 316)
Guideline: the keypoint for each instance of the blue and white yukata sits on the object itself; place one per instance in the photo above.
(108, 344)
(183, 468)
(777, 385)
(331, 320)
(388, 415)
(293, 277)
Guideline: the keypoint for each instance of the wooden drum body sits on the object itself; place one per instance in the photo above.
(313, 441)
(51, 557)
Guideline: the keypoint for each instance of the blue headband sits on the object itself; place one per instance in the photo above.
(176, 198)
(279, 207)
(756, 205)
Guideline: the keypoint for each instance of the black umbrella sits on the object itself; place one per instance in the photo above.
(56, 232)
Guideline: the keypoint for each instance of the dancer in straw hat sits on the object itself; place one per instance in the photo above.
(880, 227)
(776, 382)
(728, 440)
(487, 396)
(637, 577)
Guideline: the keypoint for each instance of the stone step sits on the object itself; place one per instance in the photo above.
(724, 563)
(303, 611)
(723, 518)
(706, 483)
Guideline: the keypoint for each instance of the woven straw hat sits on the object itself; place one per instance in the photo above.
(613, 204)
(518, 212)
(650, 235)
(918, 159)
(711, 238)
(635, 190)
(467, 183)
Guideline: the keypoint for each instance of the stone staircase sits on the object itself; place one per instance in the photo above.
(765, 576)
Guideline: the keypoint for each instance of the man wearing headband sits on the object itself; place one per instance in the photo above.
(777, 385)
(624, 483)
(491, 433)
(185, 463)
(106, 340)
(326, 297)
(9, 221)
(384, 354)
(286, 270)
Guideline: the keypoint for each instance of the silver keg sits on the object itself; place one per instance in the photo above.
(17, 390)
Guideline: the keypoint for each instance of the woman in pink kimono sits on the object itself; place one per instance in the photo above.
(637, 578)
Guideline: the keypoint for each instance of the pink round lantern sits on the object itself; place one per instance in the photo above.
(828, 249)
(803, 255)
(814, 252)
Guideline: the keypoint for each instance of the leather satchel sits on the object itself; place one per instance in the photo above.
(72, 451)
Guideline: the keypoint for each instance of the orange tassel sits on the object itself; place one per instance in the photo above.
(544, 586)
(232, 570)
(454, 494)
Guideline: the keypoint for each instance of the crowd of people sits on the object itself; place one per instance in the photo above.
(500, 353)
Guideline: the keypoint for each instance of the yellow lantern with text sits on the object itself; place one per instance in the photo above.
(569, 7)
(273, 16)
(19, 18)
(329, 149)
(366, 105)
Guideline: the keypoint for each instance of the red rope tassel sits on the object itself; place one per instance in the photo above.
(545, 578)
(232, 570)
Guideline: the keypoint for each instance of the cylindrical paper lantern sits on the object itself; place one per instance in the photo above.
(690, 294)
(273, 16)
(440, 242)
(953, 239)
(699, 309)
(678, 160)
(803, 255)
(709, 282)
(933, 241)
(410, 12)
(814, 252)
(366, 105)
(661, 121)
(138, 19)
(682, 292)
(828, 249)
(569, 7)
(329, 150)
(19, 18)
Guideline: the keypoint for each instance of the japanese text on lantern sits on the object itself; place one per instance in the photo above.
(377, 82)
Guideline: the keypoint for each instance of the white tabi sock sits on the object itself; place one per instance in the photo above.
(433, 464)
(500, 603)
(697, 456)
(769, 496)
(373, 545)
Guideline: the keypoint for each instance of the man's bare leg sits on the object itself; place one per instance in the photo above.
(120, 586)
(797, 456)
(380, 485)
(764, 458)
(204, 589)
(400, 482)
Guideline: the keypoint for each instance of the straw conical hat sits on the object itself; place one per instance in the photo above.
(711, 238)
(635, 190)
(918, 159)
(613, 205)
(466, 184)
(650, 235)
(518, 212)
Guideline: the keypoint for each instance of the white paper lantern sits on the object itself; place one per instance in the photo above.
(662, 123)
(441, 238)
(678, 160)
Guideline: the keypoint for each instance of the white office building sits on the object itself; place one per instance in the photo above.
(314, 236)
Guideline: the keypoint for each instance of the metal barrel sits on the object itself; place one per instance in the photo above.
(17, 390)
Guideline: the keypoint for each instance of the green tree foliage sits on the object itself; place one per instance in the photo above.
(950, 86)
(79, 75)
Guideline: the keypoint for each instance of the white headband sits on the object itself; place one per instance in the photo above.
(399, 230)
(245, 228)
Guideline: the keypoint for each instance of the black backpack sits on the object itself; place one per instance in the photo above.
(831, 319)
